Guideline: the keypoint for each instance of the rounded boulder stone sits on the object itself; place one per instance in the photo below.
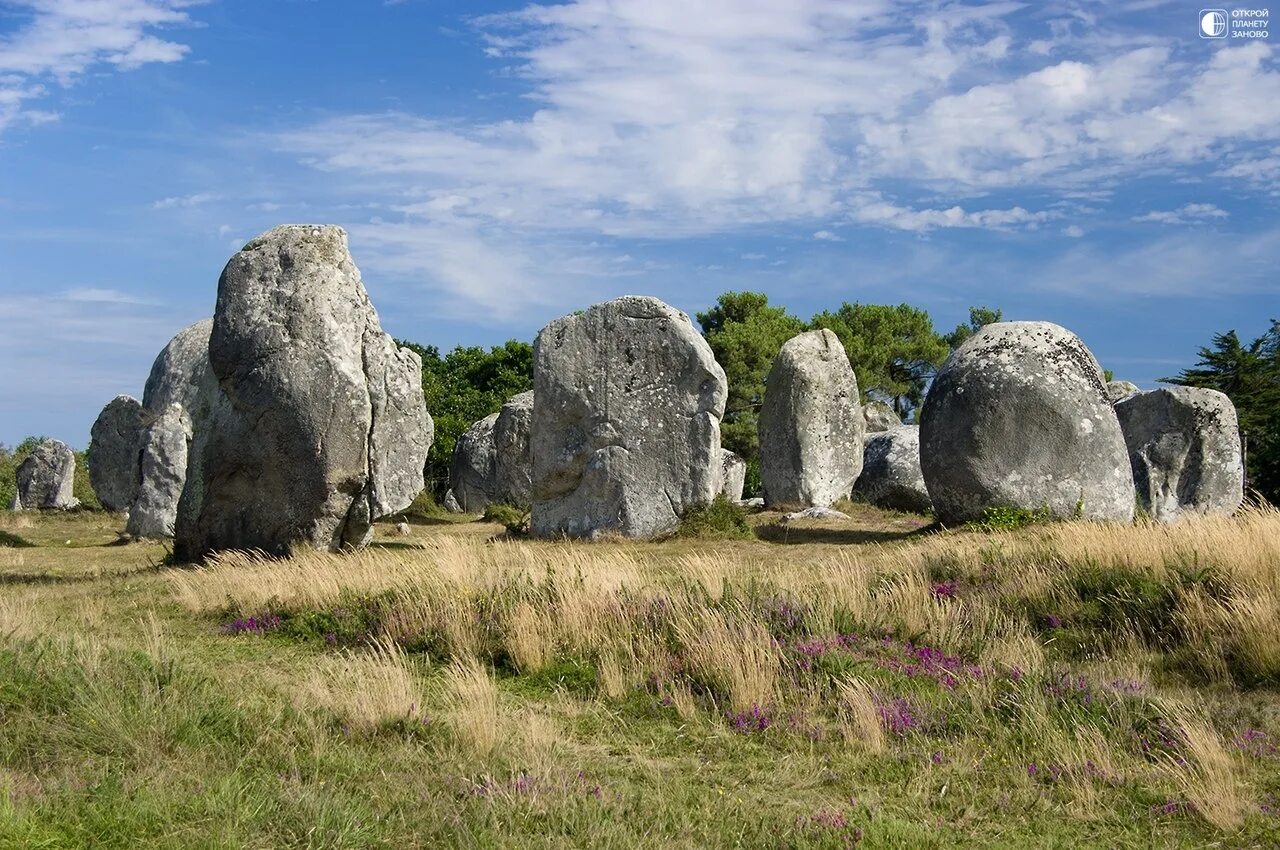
(1019, 416)
(891, 476)
(113, 453)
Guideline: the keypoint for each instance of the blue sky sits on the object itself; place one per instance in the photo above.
(497, 165)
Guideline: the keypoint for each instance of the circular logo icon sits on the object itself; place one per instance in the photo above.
(1213, 24)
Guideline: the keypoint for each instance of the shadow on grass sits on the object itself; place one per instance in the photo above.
(13, 541)
(795, 535)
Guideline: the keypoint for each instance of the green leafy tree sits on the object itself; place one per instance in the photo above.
(978, 317)
(894, 350)
(745, 332)
(1250, 377)
(463, 386)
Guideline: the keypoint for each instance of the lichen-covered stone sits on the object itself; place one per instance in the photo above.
(811, 424)
(1184, 447)
(880, 417)
(1117, 390)
(733, 475)
(46, 478)
(312, 422)
(471, 470)
(113, 453)
(179, 370)
(163, 450)
(513, 461)
(1019, 416)
(626, 420)
(891, 476)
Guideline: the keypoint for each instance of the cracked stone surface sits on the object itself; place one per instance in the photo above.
(811, 424)
(162, 463)
(1019, 416)
(471, 469)
(113, 453)
(310, 423)
(626, 421)
(46, 478)
(891, 476)
(1184, 447)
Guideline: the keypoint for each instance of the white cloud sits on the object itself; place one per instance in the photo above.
(665, 119)
(873, 210)
(184, 201)
(60, 40)
(826, 236)
(1186, 214)
(1074, 231)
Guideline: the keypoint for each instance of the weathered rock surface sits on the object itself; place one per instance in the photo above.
(513, 461)
(451, 502)
(1117, 390)
(491, 463)
(891, 476)
(879, 417)
(471, 470)
(179, 370)
(312, 422)
(113, 453)
(733, 475)
(626, 420)
(1184, 446)
(163, 450)
(46, 478)
(1019, 416)
(811, 425)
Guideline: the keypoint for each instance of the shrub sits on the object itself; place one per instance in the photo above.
(1007, 518)
(719, 519)
(511, 517)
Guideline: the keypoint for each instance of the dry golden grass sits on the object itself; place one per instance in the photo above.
(859, 717)
(1208, 774)
(470, 701)
(365, 689)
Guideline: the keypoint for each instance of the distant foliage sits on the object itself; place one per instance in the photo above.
(745, 334)
(978, 318)
(893, 349)
(463, 386)
(1250, 376)
(10, 460)
(719, 519)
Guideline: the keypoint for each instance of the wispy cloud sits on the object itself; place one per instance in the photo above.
(58, 41)
(1186, 214)
(184, 201)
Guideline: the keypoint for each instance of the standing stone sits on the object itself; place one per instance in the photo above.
(311, 421)
(891, 476)
(733, 475)
(811, 425)
(1019, 416)
(1117, 390)
(513, 463)
(879, 417)
(179, 370)
(113, 453)
(163, 453)
(46, 478)
(451, 502)
(626, 420)
(471, 476)
(1184, 445)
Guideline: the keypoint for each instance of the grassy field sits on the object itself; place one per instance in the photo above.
(869, 683)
